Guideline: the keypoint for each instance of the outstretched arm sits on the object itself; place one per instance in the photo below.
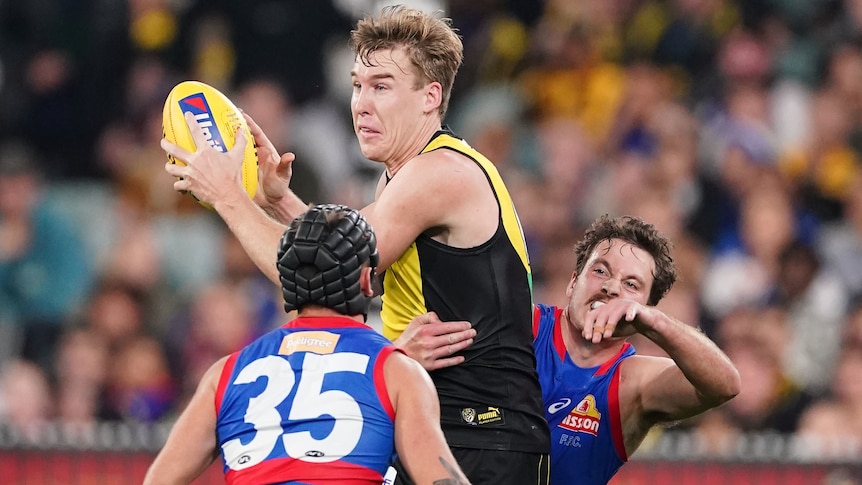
(419, 440)
(191, 445)
(214, 178)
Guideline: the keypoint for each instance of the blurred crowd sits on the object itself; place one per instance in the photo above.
(734, 126)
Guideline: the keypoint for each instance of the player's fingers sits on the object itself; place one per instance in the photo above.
(195, 130)
(444, 344)
(174, 150)
(241, 141)
(448, 350)
(176, 170)
(252, 125)
(448, 328)
(260, 137)
(609, 329)
(182, 185)
(425, 319)
(457, 337)
(589, 324)
(598, 333)
(459, 345)
(429, 317)
(285, 161)
(446, 362)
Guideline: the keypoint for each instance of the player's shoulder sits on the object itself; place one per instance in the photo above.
(213, 375)
(444, 156)
(443, 168)
(404, 368)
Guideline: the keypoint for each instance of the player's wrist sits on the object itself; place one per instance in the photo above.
(230, 201)
(283, 209)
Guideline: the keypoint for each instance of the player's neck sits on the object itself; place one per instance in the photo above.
(319, 311)
(411, 150)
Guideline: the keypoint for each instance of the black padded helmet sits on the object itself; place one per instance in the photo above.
(320, 258)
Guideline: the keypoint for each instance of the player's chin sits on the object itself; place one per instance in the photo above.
(371, 152)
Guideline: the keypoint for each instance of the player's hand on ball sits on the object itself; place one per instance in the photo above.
(209, 144)
(274, 170)
(206, 172)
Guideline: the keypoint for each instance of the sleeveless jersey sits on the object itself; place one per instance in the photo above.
(307, 403)
(581, 406)
(493, 399)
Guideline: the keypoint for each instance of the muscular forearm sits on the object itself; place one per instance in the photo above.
(258, 233)
(708, 369)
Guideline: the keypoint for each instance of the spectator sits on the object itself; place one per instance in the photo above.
(80, 374)
(768, 399)
(745, 270)
(45, 270)
(816, 304)
(140, 386)
(831, 428)
(840, 242)
(26, 400)
(219, 321)
(275, 114)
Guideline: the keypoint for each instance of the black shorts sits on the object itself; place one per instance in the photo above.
(493, 467)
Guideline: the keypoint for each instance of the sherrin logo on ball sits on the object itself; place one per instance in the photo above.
(218, 118)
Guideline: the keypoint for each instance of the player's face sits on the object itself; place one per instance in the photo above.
(387, 106)
(615, 269)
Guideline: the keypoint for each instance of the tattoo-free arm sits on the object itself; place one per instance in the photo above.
(419, 441)
(697, 377)
(191, 445)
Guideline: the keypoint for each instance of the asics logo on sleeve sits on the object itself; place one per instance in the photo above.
(557, 406)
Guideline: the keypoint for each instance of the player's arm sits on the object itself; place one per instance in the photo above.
(697, 377)
(439, 193)
(419, 440)
(431, 191)
(191, 444)
(214, 178)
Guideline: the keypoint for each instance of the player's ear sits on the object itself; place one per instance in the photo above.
(433, 96)
(366, 277)
(571, 286)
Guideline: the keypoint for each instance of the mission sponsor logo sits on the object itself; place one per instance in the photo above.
(316, 342)
(584, 418)
(197, 105)
(481, 416)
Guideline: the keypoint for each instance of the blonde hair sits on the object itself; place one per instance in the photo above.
(431, 43)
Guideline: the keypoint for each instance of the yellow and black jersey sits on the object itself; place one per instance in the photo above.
(493, 399)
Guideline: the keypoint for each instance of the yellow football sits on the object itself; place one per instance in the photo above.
(219, 119)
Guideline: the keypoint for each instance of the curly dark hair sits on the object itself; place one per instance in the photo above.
(639, 233)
